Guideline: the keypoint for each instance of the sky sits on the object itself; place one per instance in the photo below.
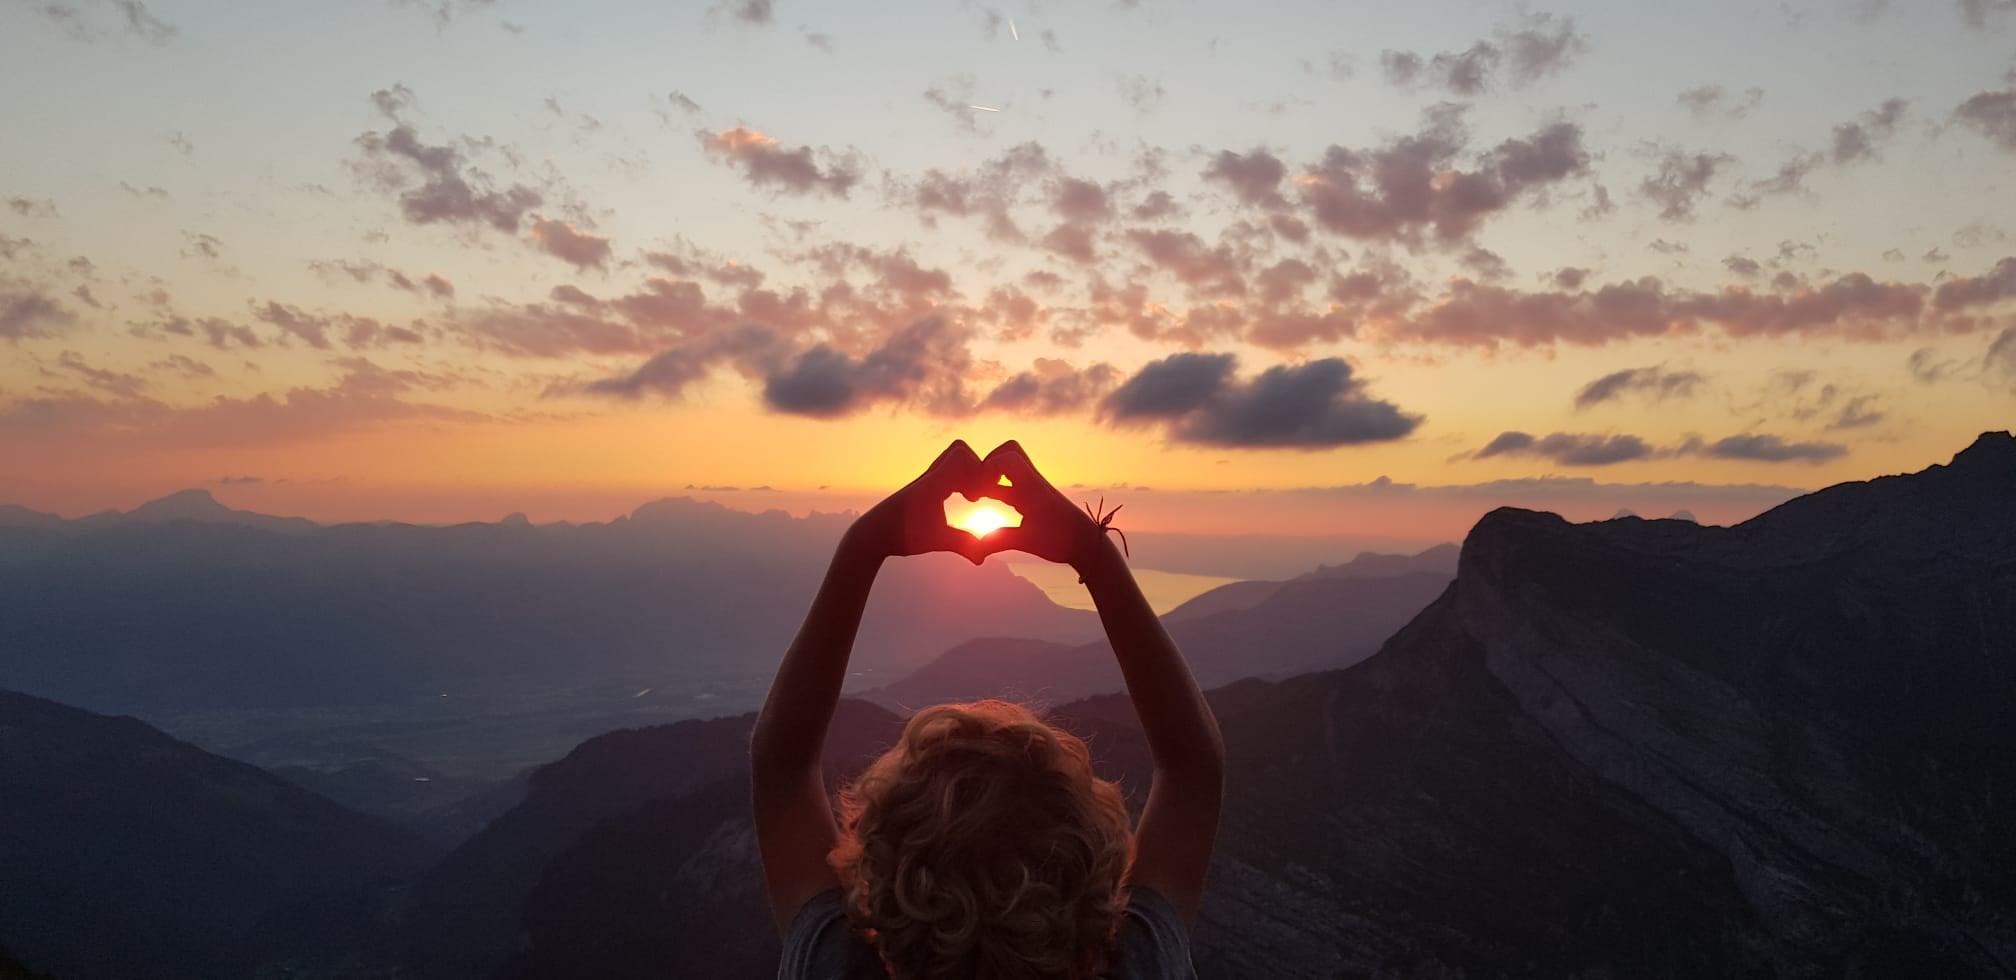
(1271, 268)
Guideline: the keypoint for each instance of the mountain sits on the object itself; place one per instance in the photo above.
(198, 507)
(476, 649)
(1316, 622)
(1624, 748)
(1440, 560)
(465, 915)
(126, 853)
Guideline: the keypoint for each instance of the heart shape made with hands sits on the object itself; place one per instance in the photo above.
(980, 517)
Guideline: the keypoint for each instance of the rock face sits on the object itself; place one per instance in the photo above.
(1630, 748)
(125, 853)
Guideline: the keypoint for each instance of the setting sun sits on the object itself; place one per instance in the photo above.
(980, 518)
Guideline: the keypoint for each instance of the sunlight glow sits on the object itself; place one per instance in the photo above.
(980, 518)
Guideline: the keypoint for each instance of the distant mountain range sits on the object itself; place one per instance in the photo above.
(185, 605)
(1624, 748)
(1330, 618)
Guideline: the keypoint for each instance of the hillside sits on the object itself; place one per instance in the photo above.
(126, 853)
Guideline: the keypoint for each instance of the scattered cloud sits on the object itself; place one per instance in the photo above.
(1654, 382)
(766, 163)
(436, 183)
(571, 245)
(1567, 448)
(1680, 181)
(1993, 114)
(1542, 45)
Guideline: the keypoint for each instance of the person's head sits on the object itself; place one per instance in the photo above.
(982, 845)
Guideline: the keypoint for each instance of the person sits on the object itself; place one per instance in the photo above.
(982, 845)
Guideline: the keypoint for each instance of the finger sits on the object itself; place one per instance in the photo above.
(1010, 461)
(957, 468)
(1008, 539)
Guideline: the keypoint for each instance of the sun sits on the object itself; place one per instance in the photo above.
(980, 518)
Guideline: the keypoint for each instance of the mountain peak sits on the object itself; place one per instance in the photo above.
(192, 504)
(1992, 449)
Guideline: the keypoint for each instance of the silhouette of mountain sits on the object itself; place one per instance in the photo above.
(1626, 748)
(1246, 594)
(465, 914)
(184, 605)
(125, 853)
(1320, 621)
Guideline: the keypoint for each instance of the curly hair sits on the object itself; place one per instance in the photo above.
(982, 845)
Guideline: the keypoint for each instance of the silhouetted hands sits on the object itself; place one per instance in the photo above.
(1053, 528)
(911, 521)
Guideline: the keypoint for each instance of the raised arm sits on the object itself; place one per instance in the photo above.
(795, 829)
(1172, 841)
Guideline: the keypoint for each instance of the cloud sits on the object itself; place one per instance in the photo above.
(1977, 13)
(757, 12)
(131, 18)
(1712, 100)
(1197, 399)
(32, 207)
(1655, 382)
(1767, 449)
(366, 396)
(1852, 305)
(26, 314)
(1861, 138)
(682, 102)
(1964, 292)
(1141, 92)
(436, 184)
(1254, 177)
(1998, 365)
(1568, 448)
(1053, 387)
(563, 241)
(923, 363)
(1859, 412)
(1994, 114)
(1413, 186)
(1543, 45)
(766, 163)
(1681, 180)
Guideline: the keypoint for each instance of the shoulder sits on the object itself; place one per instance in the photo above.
(821, 946)
(1152, 942)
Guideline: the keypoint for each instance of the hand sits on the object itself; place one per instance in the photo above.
(911, 521)
(1053, 528)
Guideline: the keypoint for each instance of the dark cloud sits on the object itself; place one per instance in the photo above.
(1414, 186)
(1568, 448)
(1655, 382)
(436, 184)
(682, 102)
(767, 163)
(1768, 449)
(1994, 114)
(1681, 180)
(569, 244)
(1314, 405)
(669, 372)
(26, 314)
(923, 364)
(1744, 266)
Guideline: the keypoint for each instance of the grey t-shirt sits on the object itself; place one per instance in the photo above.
(1151, 944)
